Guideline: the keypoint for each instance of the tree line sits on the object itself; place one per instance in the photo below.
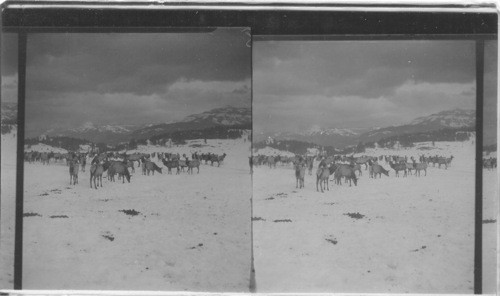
(404, 140)
(176, 138)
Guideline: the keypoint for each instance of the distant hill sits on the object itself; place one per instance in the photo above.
(66, 143)
(340, 137)
(490, 148)
(223, 117)
(451, 120)
(111, 134)
(205, 124)
(8, 117)
(404, 140)
(294, 146)
(220, 123)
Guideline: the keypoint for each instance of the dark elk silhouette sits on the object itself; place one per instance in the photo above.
(300, 172)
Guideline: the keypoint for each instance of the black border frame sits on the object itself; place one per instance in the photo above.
(274, 22)
(262, 22)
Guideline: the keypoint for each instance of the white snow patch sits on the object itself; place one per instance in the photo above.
(40, 147)
(269, 151)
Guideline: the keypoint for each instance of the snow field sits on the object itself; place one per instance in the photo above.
(491, 253)
(7, 208)
(413, 234)
(159, 232)
(321, 249)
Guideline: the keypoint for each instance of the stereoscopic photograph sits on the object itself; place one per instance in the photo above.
(136, 173)
(308, 158)
(364, 166)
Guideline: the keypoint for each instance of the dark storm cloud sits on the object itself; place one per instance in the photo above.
(8, 57)
(9, 88)
(9, 54)
(141, 78)
(182, 99)
(298, 84)
(362, 68)
(142, 64)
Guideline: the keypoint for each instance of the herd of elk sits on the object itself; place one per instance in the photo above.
(118, 164)
(272, 160)
(490, 163)
(345, 167)
(46, 157)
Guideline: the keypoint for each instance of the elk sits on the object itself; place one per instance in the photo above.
(300, 171)
(377, 169)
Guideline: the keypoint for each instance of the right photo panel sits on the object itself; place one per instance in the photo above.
(364, 166)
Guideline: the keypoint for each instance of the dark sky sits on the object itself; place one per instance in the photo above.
(359, 84)
(9, 67)
(104, 78)
(124, 78)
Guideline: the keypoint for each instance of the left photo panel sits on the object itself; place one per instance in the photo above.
(136, 171)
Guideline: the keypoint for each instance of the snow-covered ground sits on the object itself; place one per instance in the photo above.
(7, 208)
(491, 253)
(385, 235)
(190, 232)
(417, 234)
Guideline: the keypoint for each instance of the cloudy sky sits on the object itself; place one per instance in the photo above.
(8, 57)
(359, 84)
(143, 78)
(124, 78)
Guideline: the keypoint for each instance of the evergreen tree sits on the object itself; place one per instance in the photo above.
(360, 147)
(132, 144)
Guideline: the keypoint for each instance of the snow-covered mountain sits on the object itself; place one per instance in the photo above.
(451, 118)
(342, 137)
(456, 118)
(90, 127)
(317, 130)
(113, 134)
(222, 116)
(225, 116)
(8, 117)
(337, 137)
(95, 133)
(9, 113)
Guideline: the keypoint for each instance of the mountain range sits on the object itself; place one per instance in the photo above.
(227, 116)
(342, 137)
(8, 113)
(95, 133)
